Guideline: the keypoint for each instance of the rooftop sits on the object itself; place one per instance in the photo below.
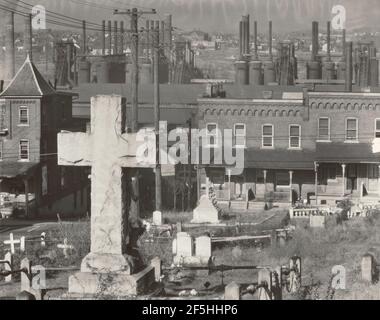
(28, 82)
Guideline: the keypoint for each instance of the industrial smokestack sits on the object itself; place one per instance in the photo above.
(148, 40)
(110, 36)
(103, 37)
(344, 44)
(169, 42)
(349, 70)
(162, 33)
(10, 46)
(329, 41)
(315, 41)
(241, 39)
(116, 38)
(122, 37)
(84, 40)
(28, 37)
(270, 40)
(255, 39)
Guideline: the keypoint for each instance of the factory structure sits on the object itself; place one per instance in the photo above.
(312, 139)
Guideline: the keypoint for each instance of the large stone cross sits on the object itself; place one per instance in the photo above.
(107, 149)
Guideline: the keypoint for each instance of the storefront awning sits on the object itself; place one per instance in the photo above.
(280, 159)
(346, 153)
(10, 170)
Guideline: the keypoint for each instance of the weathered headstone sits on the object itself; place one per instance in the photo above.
(184, 244)
(203, 247)
(157, 265)
(232, 291)
(205, 212)
(317, 221)
(12, 242)
(108, 149)
(368, 268)
(157, 218)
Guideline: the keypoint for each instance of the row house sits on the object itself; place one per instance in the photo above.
(32, 113)
(314, 147)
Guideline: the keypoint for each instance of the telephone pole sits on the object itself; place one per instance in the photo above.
(134, 14)
(156, 63)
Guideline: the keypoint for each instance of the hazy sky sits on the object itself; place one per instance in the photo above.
(223, 15)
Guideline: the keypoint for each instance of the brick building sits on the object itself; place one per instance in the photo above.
(32, 114)
(320, 146)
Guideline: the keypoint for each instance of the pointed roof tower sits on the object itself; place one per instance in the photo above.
(28, 82)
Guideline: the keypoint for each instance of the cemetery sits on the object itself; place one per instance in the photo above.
(210, 253)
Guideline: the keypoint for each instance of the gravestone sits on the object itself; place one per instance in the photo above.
(232, 291)
(317, 221)
(265, 278)
(203, 247)
(108, 150)
(184, 248)
(157, 265)
(368, 267)
(205, 212)
(157, 218)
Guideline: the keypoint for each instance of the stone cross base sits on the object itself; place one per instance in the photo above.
(85, 284)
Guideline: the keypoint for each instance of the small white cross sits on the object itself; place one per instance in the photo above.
(12, 243)
(66, 247)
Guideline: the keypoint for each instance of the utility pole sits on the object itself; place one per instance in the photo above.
(190, 179)
(134, 15)
(156, 63)
(84, 41)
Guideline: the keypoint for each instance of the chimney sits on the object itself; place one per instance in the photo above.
(121, 37)
(349, 70)
(1, 85)
(241, 39)
(270, 40)
(116, 37)
(255, 39)
(329, 41)
(148, 38)
(28, 37)
(315, 41)
(168, 34)
(84, 40)
(110, 36)
(162, 33)
(10, 46)
(244, 37)
(344, 44)
(103, 37)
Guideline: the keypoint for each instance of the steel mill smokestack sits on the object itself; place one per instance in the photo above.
(148, 38)
(28, 36)
(344, 44)
(103, 37)
(10, 46)
(240, 39)
(84, 40)
(121, 37)
(328, 41)
(349, 71)
(255, 39)
(116, 38)
(110, 36)
(315, 41)
(270, 40)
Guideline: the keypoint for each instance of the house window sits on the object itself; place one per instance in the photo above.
(23, 115)
(212, 134)
(324, 129)
(377, 128)
(351, 129)
(24, 149)
(240, 134)
(294, 136)
(267, 139)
